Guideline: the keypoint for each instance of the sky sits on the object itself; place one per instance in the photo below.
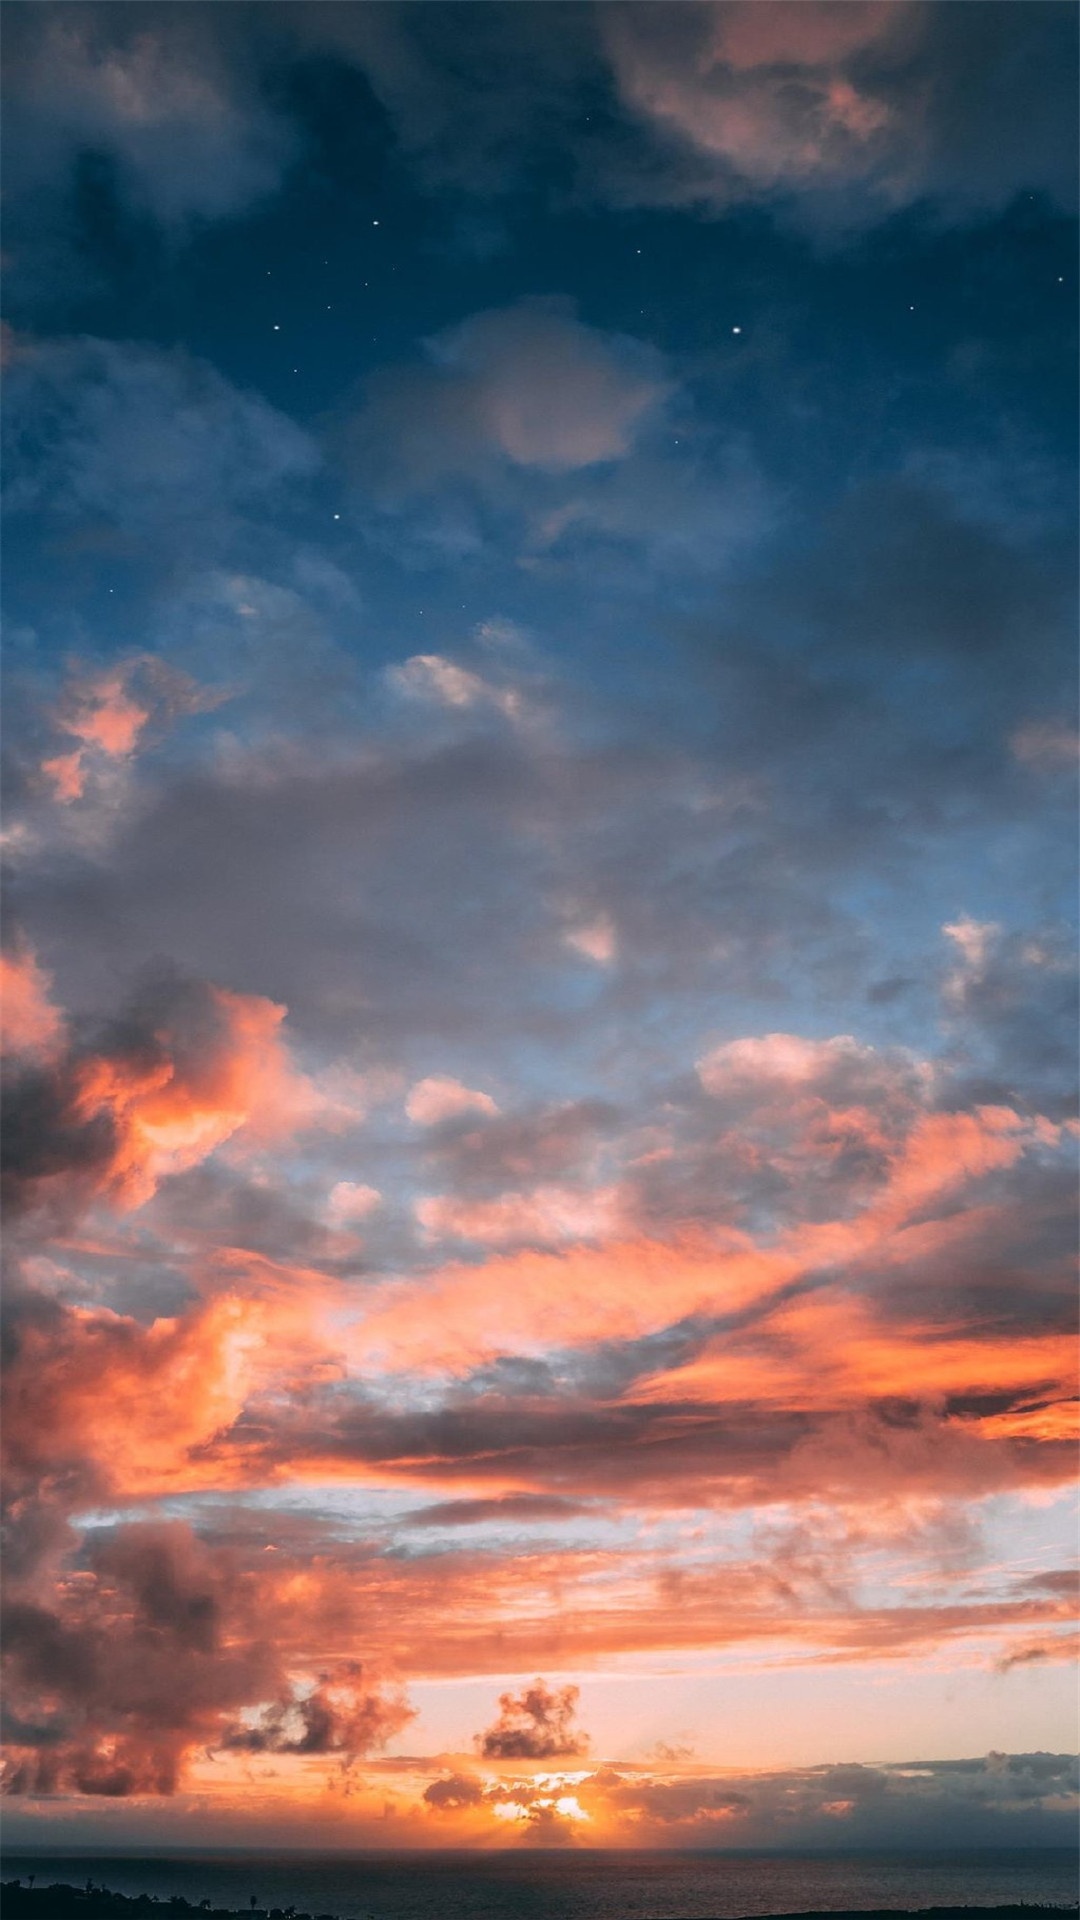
(538, 982)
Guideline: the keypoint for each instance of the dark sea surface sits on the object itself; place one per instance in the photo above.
(556, 1885)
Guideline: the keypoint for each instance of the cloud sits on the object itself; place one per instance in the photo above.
(428, 676)
(768, 101)
(440, 1098)
(526, 1507)
(856, 1804)
(454, 1791)
(542, 1217)
(29, 1022)
(836, 113)
(107, 710)
(338, 1714)
(528, 386)
(168, 103)
(153, 442)
(186, 1067)
(596, 939)
(537, 1724)
(137, 1669)
(781, 1059)
(1012, 1006)
(164, 1643)
(1049, 746)
(351, 1200)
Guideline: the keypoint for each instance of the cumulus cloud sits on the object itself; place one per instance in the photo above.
(351, 1200)
(158, 1652)
(537, 1724)
(185, 1068)
(340, 1713)
(453, 1791)
(529, 386)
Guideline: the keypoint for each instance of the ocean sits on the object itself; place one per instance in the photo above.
(558, 1885)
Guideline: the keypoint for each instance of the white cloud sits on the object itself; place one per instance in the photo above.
(429, 676)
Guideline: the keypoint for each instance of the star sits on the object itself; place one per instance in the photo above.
(277, 329)
(736, 329)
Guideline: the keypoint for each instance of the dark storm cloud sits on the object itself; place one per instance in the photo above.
(537, 1724)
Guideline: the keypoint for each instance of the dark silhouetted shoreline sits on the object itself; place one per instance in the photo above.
(93, 1902)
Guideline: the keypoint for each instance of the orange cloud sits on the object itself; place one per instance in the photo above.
(137, 1408)
(531, 1302)
(188, 1067)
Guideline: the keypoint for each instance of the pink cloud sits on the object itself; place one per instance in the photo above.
(769, 96)
(440, 1097)
(29, 1022)
(545, 1215)
(108, 710)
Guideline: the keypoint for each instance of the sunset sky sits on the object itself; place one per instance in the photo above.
(538, 969)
